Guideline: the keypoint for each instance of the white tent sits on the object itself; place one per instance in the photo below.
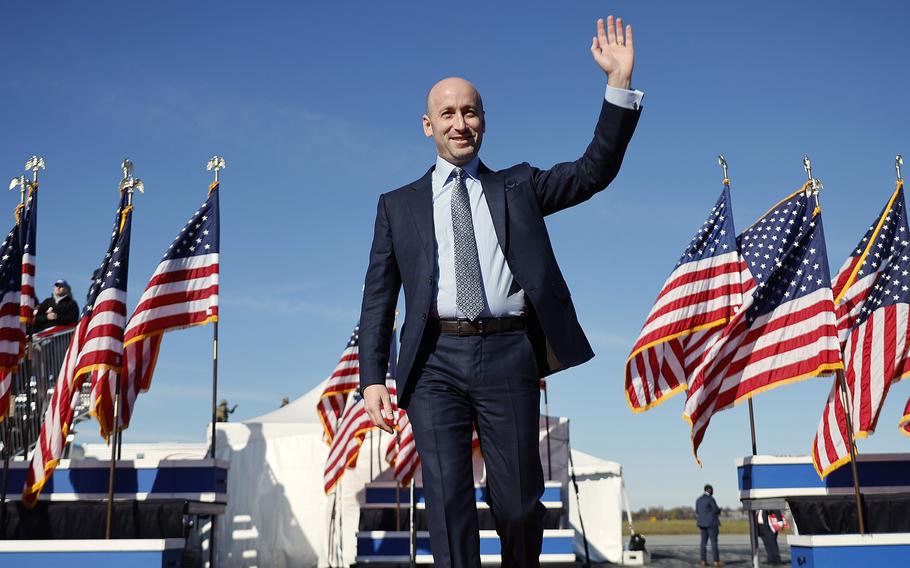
(278, 514)
(600, 493)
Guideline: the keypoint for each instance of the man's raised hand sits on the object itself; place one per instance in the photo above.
(612, 50)
(379, 406)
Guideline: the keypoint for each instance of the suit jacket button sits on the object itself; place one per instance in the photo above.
(423, 317)
(430, 280)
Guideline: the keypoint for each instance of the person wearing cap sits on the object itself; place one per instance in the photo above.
(59, 309)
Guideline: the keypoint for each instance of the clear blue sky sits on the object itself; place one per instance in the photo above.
(316, 108)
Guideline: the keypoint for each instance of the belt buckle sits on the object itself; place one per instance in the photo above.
(468, 327)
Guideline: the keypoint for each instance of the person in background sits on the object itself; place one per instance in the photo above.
(222, 411)
(59, 309)
(707, 516)
(770, 523)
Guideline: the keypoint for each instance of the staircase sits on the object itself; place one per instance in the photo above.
(384, 538)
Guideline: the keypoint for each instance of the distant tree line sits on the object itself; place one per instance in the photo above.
(678, 513)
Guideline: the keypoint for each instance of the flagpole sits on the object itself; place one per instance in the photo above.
(397, 505)
(217, 164)
(815, 186)
(722, 162)
(412, 525)
(753, 535)
(34, 164)
(128, 184)
(845, 398)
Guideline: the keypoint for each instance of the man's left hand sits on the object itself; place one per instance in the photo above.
(612, 50)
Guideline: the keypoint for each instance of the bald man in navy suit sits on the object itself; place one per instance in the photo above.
(487, 310)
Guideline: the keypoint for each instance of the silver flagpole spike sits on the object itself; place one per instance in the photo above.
(22, 183)
(130, 183)
(898, 162)
(722, 162)
(34, 164)
(217, 163)
(814, 185)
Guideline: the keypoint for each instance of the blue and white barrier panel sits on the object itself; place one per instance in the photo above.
(202, 480)
(837, 550)
(151, 553)
(770, 477)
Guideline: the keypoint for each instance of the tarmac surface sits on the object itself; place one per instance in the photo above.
(676, 551)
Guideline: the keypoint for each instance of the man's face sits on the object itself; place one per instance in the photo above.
(455, 120)
(60, 290)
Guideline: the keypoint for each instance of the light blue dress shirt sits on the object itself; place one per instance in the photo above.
(495, 271)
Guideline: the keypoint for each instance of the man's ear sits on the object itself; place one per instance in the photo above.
(427, 126)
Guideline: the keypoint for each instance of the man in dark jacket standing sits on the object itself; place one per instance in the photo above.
(487, 309)
(59, 309)
(707, 516)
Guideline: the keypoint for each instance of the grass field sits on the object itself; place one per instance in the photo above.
(686, 526)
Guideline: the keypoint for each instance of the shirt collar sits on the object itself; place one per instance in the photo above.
(444, 170)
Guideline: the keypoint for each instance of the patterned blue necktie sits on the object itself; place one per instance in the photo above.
(469, 297)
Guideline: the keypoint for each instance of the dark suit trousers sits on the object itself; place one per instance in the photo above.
(493, 381)
(769, 538)
(709, 533)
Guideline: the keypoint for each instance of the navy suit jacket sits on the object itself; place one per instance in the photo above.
(707, 513)
(519, 197)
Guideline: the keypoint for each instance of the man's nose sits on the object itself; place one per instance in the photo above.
(459, 121)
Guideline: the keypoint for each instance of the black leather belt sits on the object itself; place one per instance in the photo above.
(463, 327)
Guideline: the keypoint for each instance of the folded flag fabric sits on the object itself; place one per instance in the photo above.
(697, 300)
(785, 330)
(872, 297)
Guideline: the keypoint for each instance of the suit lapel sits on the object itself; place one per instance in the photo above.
(420, 202)
(495, 192)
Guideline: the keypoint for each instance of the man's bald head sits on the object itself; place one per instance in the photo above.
(454, 119)
(450, 84)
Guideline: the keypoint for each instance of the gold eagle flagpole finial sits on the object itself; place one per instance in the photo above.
(722, 162)
(22, 183)
(217, 163)
(130, 183)
(898, 162)
(813, 186)
(34, 164)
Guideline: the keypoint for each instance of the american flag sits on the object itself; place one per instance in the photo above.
(96, 346)
(344, 380)
(401, 453)
(785, 330)
(28, 229)
(12, 335)
(352, 430)
(700, 296)
(873, 301)
(182, 292)
(904, 423)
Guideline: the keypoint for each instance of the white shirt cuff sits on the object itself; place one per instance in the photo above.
(624, 98)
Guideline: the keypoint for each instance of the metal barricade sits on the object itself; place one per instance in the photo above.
(33, 386)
